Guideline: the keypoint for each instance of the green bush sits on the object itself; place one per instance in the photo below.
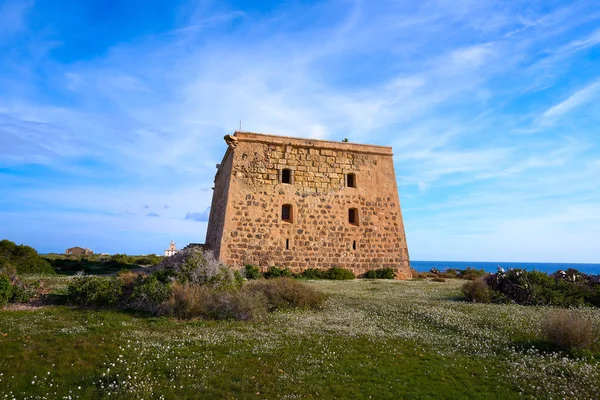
(165, 275)
(477, 291)
(150, 259)
(438, 279)
(276, 272)
(333, 273)
(471, 273)
(338, 274)
(148, 293)
(121, 259)
(568, 331)
(23, 258)
(94, 291)
(381, 273)
(538, 288)
(450, 273)
(5, 290)
(20, 294)
(312, 273)
(285, 293)
(252, 272)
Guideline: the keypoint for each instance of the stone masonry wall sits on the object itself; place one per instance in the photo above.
(216, 220)
(319, 234)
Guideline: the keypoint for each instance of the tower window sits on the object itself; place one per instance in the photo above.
(354, 245)
(286, 212)
(353, 216)
(351, 180)
(286, 176)
(287, 244)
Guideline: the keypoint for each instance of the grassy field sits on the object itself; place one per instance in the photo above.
(373, 339)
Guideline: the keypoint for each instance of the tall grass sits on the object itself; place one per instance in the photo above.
(566, 330)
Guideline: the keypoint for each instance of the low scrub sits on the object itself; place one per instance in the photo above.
(23, 259)
(13, 290)
(285, 293)
(276, 272)
(95, 291)
(333, 273)
(538, 288)
(381, 273)
(161, 293)
(566, 330)
(438, 279)
(148, 293)
(338, 274)
(252, 272)
(468, 273)
(5, 290)
(194, 301)
(477, 291)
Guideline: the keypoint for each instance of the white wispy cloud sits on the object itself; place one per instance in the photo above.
(576, 99)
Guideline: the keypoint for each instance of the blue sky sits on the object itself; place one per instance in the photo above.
(112, 115)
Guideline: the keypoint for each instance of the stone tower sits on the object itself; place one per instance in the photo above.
(306, 203)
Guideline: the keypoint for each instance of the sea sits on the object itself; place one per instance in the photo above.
(425, 266)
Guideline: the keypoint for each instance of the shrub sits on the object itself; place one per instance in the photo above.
(338, 274)
(285, 293)
(382, 273)
(438, 279)
(165, 275)
(477, 291)
(24, 259)
(195, 301)
(6, 268)
(538, 288)
(568, 331)
(94, 291)
(370, 274)
(150, 259)
(312, 273)
(148, 293)
(471, 273)
(120, 259)
(5, 290)
(20, 294)
(241, 305)
(252, 272)
(450, 273)
(276, 272)
(333, 273)
(197, 266)
(127, 277)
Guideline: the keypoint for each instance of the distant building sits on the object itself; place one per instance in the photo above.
(172, 250)
(79, 251)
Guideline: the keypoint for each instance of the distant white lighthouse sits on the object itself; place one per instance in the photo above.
(172, 250)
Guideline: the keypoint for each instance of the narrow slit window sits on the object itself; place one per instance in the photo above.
(286, 212)
(351, 180)
(354, 245)
(287, 244)
(286, 176)
(353, 216)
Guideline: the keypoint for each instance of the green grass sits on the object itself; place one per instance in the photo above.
(379, 339)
